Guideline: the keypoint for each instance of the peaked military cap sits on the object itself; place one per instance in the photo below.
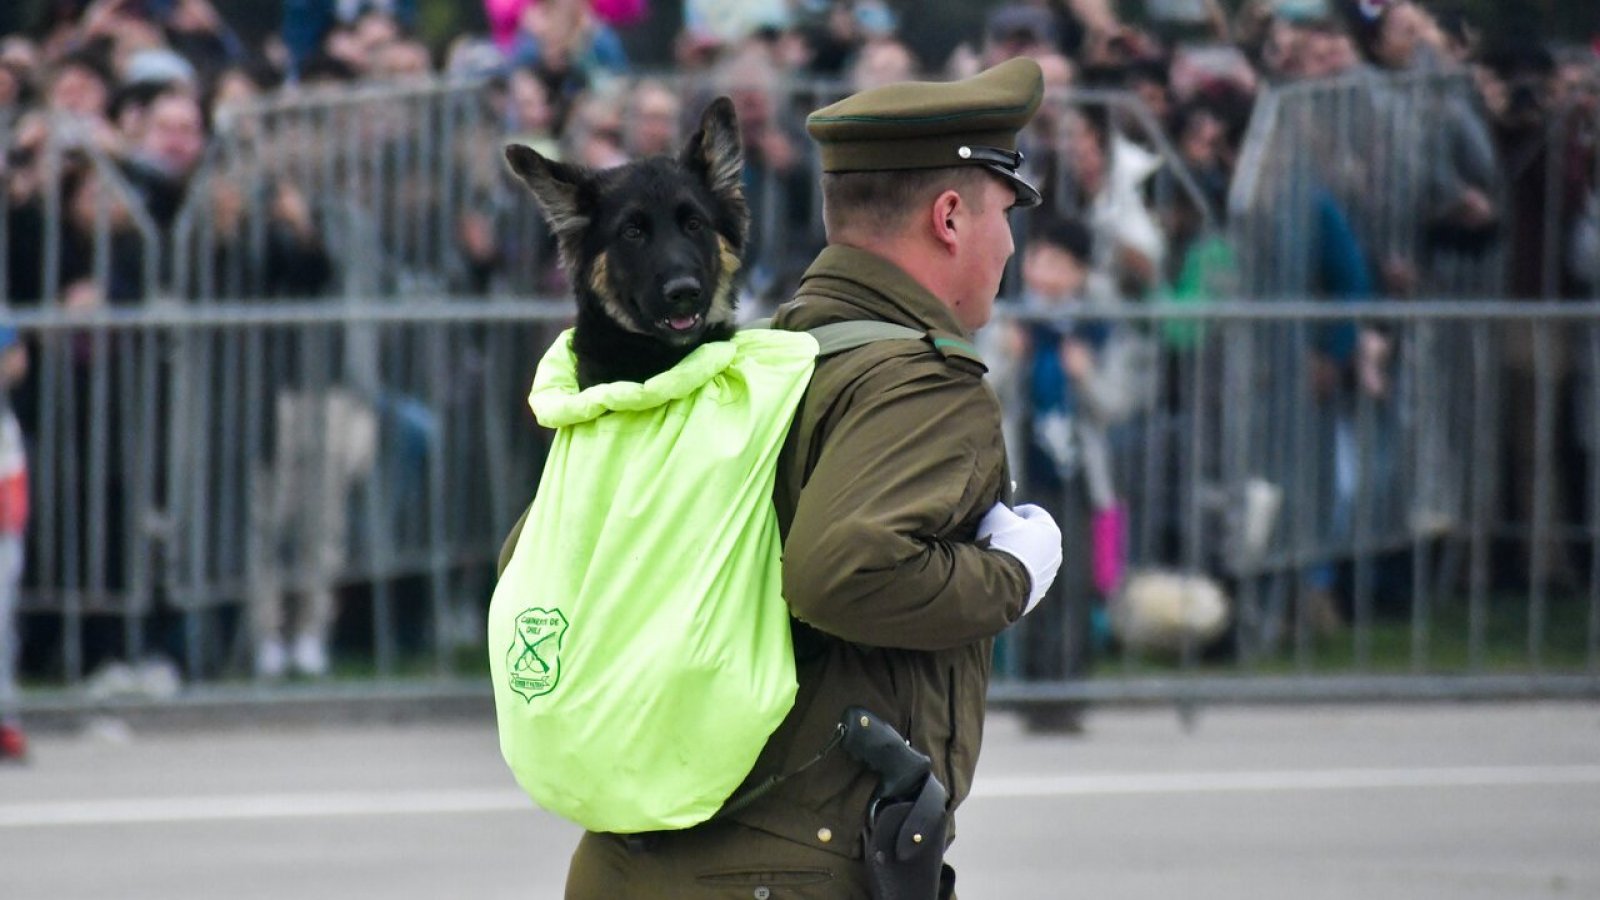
(929, 125)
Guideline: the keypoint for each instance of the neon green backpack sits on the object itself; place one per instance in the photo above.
(639, 642)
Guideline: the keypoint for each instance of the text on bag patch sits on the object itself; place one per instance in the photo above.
(533, 663)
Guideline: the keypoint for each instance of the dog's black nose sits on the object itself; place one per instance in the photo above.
(681, 290)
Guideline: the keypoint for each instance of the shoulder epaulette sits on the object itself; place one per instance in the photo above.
(957, 349)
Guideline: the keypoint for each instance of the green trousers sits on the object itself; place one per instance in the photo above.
(719, 860)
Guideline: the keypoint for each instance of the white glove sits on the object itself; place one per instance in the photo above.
(1031, 535)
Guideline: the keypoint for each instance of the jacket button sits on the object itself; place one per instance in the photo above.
(763, 893)
(824, 834)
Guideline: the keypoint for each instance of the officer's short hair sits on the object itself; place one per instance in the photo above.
(883, 201)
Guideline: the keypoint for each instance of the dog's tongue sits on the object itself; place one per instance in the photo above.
(682, 323)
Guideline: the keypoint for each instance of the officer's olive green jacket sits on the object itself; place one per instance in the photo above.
(894, 457)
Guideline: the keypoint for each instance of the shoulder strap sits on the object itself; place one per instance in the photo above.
(837, 337)
(841, 336)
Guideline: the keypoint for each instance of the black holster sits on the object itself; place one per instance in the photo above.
(907, 820)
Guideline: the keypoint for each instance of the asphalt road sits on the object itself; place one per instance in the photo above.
(1408, 803)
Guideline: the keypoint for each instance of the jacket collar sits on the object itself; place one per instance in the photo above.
(878, 288)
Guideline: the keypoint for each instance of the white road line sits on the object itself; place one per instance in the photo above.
(245, 807)
(259, 806)
(1014, 786)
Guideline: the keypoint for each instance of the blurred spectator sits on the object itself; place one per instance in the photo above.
(402, 60)
(1437, 124)
(472, 57)
(1115, 50)
(1148, 79)
(1540, 144)
(1392, 33)
(80, 85)
(834, 38)
(620, 13)
(83, 205)
(1348, 368)
(235, 88)
(650, 127)
(1079, 378)
(731, 21)
(308, 23)
(532, 116)
(1201, 142)
(169, 150)
(695, 52)
(158, 66)
(567, 45)
(505, 17)
(1322, 50)
(19, 60)
(371, 31)
(339, 45)
(593, 135)
(13, 84)
(13, 523)
(1041, 140)
(1580, 93)
(328, 71)
(98, 262)
(1206, 72)
(882, 61)
(320, 440)
(196, 32)
(1584, 254)
(778, 173)
(1186, 19)
(1059, 74)
(1461, 38)
(1018, 30)
(1107, 175)
(20, 52)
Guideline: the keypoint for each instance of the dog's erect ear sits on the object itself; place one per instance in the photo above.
(716, 153)
(554, 184)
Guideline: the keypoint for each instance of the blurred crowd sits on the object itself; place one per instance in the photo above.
(145, 83)
(111, 111)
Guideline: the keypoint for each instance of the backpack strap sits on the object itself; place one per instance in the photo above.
(841, 336)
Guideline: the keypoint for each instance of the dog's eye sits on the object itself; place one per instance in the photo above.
(633, 232)
(692, 223)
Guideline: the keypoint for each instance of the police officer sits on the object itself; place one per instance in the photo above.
(902, 557)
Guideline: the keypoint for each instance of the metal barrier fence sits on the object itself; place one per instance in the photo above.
(1277, 525)
(207, 466)
(396, 501)
(288, 386)
(1400, 171)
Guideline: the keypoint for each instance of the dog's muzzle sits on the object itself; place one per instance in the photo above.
(682, 291)
(683, 294)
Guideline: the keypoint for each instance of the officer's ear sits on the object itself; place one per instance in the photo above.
(946, 218)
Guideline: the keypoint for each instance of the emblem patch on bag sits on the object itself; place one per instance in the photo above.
(533, 664)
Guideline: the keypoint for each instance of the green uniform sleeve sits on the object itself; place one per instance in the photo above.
(881, 549)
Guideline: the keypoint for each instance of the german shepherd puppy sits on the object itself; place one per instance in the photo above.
(652, 247)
